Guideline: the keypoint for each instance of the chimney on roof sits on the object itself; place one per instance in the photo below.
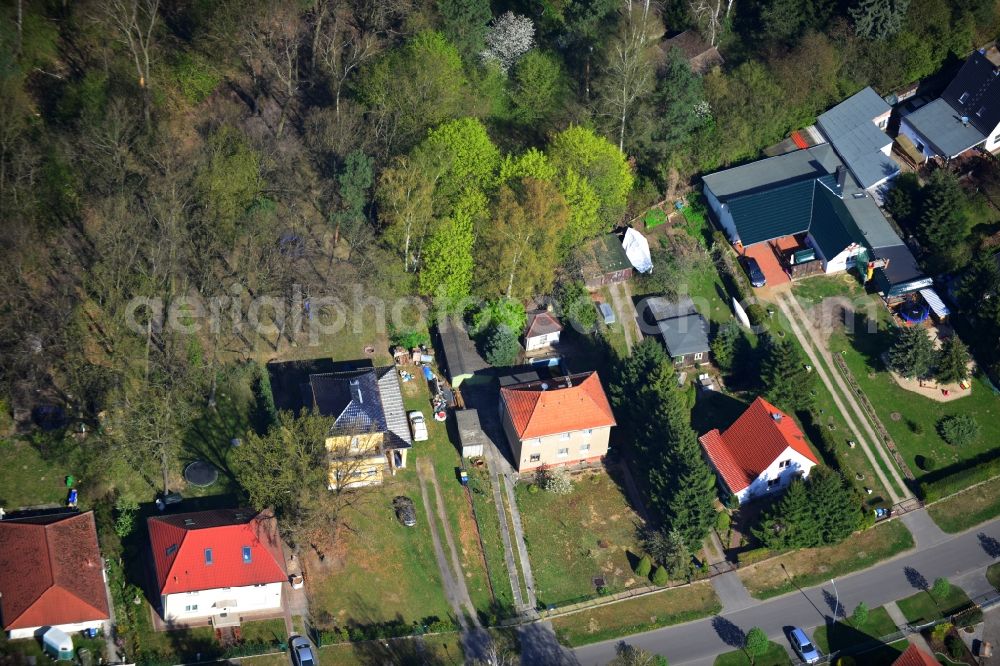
(841, 177)
(965, 120)
(356, 391)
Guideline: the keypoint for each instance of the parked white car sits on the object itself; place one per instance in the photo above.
(419, 427)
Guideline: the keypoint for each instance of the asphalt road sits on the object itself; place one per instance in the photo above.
(957, 557)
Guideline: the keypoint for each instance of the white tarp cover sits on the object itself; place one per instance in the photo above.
(933, 300)
(637, 250)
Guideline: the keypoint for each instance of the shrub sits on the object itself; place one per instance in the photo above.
(660, 576)
(502, 347)
(938, 632)
(722, 522)
(959, 430)
(859, 617)
(955, 646)
(501, 312)
(574, 304)
(533, 488)
(757, 314)
(555, 481)
(643, 566)
(756, 642)
(916, 427)
(195, 77)
(926, 463)
(409, 338)
(755, 555)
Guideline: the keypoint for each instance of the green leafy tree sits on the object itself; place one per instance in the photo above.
(913, 354)
(756, 644)
(502, 347)
(787, 382)
(406, 209)
(538, 90)
(629, 655)
(600, 163)
(724, 344)
(500, 312)
(878, 19)
(859, 618)
(584, 211)
(465, 157)
(574, 305)
(940, 589)
(126, 510)
(959, 429)
(532, 163)
(231, 180)
(643, 566)
(464, 23)
(355, 182)
(661, 576)
(953, 361)
(447, 261)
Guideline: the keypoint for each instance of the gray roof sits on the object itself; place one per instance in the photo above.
(767, 173)
(686, 333)
(461, 359)
(875, 229)
(942, 126)
(470, 431)
(850, 128)
(663, 308)
(365, 400)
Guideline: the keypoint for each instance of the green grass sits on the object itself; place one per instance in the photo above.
(776, 655)
(573, 538)
(672, 606)
(812, 566)
(843, 636)
(925, 607)
(12, 651)
(709, 295)
(489, 532)
(971, 507)
(993, 576)
(813, 290)
(28, 479)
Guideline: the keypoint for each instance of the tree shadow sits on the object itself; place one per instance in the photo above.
(714, 409)
(729, 633)
(916, 579)
(539, 645)
(406, 652)
(834, 604)
(990, 545)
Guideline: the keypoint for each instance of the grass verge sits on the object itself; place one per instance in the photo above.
(993, 575)
(925, 607)
(845, 637)
(971, 507)
(776, 655)
(811, 566)
(673, 606)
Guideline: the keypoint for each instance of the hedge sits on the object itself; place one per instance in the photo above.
(931, 491)
(755, 555)
(381, 630)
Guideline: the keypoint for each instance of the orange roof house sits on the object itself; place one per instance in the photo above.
(561, 421)
(51, 574)
(761, 452)
(914, 656)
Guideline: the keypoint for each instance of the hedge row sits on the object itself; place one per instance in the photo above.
(235, 651)
(381, 630)
(931, 491)
(755, 555)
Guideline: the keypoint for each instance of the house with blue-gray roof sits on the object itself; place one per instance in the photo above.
(856, 130)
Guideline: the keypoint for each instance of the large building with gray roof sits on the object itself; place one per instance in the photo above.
(855, 129)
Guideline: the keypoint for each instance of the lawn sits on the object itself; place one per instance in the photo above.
(811, 566)
(971, 507)
(843, 636)
(776, 655)
(572, 538)
(439, 650)
(489, 532)
(925, 607)
(672, 606)
(993, 576)
(28, 479)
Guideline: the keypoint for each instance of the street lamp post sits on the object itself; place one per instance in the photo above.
(836, 603)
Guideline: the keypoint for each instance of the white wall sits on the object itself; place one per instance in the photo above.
(722, 213)
(70, 629)
(834, 264)
(916, 137)
(248, 599)
(993, 140)
(539, 341)
(759, 487)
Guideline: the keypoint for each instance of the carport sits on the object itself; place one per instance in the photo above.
(770, 265)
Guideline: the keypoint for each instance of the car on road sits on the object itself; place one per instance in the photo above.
(752, 268)
(302, 652)
(405, 511)
(419, 426)
(803, 646)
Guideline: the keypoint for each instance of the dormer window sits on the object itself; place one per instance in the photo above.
(171, 549)
(963, 98)
(247, 555)
(208, 557)
(981, 111)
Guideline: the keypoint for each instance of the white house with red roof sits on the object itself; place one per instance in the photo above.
(51, 574)
(556, 422)
(216, 564)
(542, 331)
(760, 453)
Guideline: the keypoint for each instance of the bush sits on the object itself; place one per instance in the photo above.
(195, 77)
(408, 338)
(926, 463)
(533, 488)
(755, 555)
(722, 522)
(959, 430)
(556, 481)
(660, 576)
(644, 566)
(502, 347)
(573, 303)
(501, 312)
(955, 646)
(757, 314)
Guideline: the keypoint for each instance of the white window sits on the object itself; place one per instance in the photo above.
(355, 443)
(584, 448)
(190, 608)
(963, 97)
(562, 453)
(784, 463)
(698, 356)
(535, 457)
(564, 436)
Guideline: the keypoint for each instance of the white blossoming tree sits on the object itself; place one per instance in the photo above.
(510, 36)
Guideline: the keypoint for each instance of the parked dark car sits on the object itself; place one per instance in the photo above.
(405, 511)
(752, 268)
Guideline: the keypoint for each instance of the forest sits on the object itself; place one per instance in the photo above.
(173, 149)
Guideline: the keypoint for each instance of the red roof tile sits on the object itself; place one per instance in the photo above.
(752, 443)
(179, 542)
(538, 409)
(542, 323)
(914, 656)
(51, 571)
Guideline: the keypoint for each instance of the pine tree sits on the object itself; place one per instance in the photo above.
(787, 382)
(942, 226)
(953, 361)
(878, 19)
(724, 344)
(791, 523)
(678, 558)
(836, 508)
(912, 356)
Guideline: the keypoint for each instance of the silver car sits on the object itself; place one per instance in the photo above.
(302, 652)
(803, 646)
(419, 426)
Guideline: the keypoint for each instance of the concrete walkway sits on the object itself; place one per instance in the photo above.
(496, 485)
(530, 601)
(899, 620)
(731, 592)
(815, 350)
(625, 311)
(923, 528)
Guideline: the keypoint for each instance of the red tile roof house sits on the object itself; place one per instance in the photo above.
(542, 331)
(914, 656)
(216, 564)
(556, 422)
(51, 574)
(760, 453)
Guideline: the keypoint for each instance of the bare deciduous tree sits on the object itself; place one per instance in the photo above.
(271, 54)
(341, 45)
(135, 22)
(710, 17)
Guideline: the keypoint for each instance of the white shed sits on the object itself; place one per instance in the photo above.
(470, 433)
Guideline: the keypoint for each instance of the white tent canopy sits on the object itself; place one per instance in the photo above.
(637, 250)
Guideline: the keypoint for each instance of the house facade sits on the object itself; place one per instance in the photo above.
(542, 331)
(556, 422)
(759, 454)
(967, 114)
(51, 574)
(216, 564)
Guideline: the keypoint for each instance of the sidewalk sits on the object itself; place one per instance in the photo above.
(914, 638)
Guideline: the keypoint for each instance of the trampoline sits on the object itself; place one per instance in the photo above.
(201, 474)
(914, 311)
